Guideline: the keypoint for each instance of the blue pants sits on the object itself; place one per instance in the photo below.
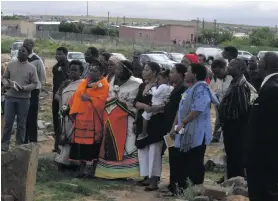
(15, 107)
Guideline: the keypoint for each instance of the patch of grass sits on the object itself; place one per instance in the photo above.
(53, 185)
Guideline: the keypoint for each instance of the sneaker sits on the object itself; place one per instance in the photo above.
(142, 136)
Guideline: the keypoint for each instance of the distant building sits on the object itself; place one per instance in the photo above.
(240, 35)
(18, 28)
(160, 35)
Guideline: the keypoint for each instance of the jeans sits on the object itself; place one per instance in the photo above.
(15, 107)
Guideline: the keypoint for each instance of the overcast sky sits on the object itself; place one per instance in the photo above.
(238, 12)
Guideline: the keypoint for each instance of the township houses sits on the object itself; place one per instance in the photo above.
(159, 35)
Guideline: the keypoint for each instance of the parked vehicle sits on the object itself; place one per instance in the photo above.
(14, 49)
(244, 55)
(120, 55)
(262, 53)
(210, 53)
(177, 57)
(161, 59)
(76, 56)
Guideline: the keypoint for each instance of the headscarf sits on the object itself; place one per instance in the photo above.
(116, 59)
(193, 58)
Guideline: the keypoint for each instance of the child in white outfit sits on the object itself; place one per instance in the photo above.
(160, 95)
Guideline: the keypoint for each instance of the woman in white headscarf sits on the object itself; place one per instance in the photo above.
(113, 62)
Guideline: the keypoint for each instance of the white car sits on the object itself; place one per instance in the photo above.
(14, 49)
(262, 53)
(76, 56)
(121, 56)
(244, 54)
(210, 53)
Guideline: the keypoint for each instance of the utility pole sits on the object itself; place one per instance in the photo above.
(87, 8)
(197, 23)
(108, 17)
(124, 20)
(203, 24)
(214, 23)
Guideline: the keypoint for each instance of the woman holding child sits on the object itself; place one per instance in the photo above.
(149, 126)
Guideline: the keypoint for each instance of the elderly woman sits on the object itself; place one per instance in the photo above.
(112, 64)
(63, 95)
(86, 111)
(192, 129)
(118, 153)
(149, 148)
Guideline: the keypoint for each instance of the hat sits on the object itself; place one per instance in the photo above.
(193, 58)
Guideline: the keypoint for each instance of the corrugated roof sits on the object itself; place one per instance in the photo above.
(142, 27)
(47, 23)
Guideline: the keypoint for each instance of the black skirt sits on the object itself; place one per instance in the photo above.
(84, 152)
(156, 130)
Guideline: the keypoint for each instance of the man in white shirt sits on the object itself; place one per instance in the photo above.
(219, 85)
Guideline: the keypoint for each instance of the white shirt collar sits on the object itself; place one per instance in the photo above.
(30, 55)
(267, 78)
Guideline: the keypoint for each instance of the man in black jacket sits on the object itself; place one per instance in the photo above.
(262, 154)
(60, 74)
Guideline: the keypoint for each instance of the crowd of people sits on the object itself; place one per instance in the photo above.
(110, 124)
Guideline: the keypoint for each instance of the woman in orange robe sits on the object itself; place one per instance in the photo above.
(86, 110)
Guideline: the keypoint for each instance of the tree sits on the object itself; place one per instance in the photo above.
(215, 36)
(261, 37)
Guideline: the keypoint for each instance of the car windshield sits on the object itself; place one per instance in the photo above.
(76, 56)
(159, 57)
(177, 56)
(16, 46)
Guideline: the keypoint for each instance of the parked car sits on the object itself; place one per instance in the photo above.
(177, 57)
(161, 59)
(210, 53)
(122, 57)
(244, 55)
(76, 56)
(14, 49)
(262, 53)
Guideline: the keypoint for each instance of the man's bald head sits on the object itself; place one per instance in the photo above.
(29, 44)
(268, 64)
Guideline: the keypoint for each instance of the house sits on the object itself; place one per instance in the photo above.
(137, 33)
(18, 28)
(160, 35)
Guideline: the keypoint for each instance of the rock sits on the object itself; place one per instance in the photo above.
(218, 162)
(201, 198)
(48, 124)
(215, 191)
(42, 109)
(42, 138)
(235, 182)
(40, 132)
(240, 191)
(236, 198)
(41, 124)
(7, 198)
(18, 172)
(50, 134)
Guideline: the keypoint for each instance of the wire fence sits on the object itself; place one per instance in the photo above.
(101, 40)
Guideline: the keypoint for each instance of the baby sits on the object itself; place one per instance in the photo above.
(160, 95)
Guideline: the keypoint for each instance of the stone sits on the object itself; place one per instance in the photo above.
(50, 134)
(7, 198)
(40, 132)
(235, 182)
(48, 124)
(215, 191)
(218, 163)
(236, 198)
(201, 198)
(42, 138)
(240, 191)
(19, 170)
(41, 124)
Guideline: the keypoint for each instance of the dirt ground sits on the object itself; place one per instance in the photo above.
(118, 194)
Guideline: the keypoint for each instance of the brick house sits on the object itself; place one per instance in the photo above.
(163, 35)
